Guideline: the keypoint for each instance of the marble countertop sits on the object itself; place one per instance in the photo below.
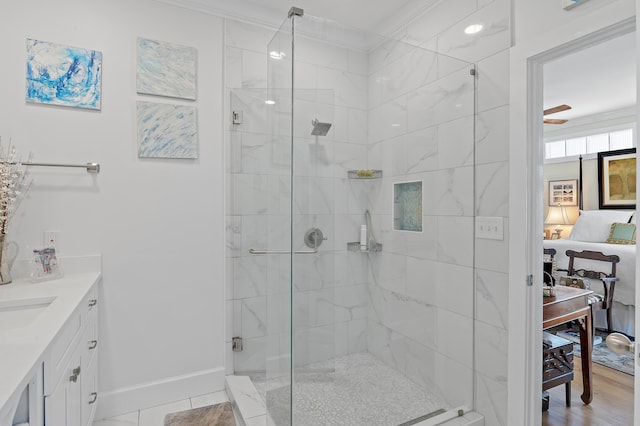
(22, 349)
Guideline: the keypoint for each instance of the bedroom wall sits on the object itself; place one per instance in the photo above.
(157, 223)
(571, 170)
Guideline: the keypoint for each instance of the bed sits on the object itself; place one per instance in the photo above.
(591, 232)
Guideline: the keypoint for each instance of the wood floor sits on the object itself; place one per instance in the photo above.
(612, 403)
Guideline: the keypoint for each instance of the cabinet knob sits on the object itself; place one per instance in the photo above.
(93, 302)
(74, 374)
(93, 344)
(94, 396)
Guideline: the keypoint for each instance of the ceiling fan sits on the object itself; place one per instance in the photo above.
(553, 110)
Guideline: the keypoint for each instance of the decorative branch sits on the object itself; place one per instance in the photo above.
(13, 184)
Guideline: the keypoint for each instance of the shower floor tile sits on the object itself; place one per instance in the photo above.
(360, 391)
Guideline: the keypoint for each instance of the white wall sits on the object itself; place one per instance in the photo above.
(158, 223)
(539, 27)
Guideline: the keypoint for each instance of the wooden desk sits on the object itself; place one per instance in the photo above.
(567, 305)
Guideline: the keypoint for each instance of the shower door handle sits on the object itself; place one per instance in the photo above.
(254, 251)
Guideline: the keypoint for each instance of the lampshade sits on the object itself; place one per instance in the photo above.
(557, 216)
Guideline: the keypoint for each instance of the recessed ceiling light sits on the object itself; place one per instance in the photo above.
(473, 29)
(270, 102)
(276, 55)
(395, 125)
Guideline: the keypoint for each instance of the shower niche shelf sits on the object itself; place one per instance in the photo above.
(373, 248)
(364, 174)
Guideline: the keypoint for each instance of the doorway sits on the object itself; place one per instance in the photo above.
(536, 210)
(589, 104)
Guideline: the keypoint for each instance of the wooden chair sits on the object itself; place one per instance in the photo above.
(548, 276)
(599, 300)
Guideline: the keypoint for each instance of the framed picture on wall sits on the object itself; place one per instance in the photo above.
(563, 192)
(617, 179)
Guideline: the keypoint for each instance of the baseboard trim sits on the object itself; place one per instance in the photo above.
(127, 400)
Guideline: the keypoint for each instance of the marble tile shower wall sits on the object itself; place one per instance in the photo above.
(441, 29)
(331, 289)
(420, 317)
(422, 146)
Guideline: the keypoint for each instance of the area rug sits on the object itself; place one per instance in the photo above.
(212, 415)
(601, 354)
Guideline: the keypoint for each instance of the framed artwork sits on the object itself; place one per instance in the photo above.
(617, 179)
(563, 192)
(570, 4)
(166, 130)
(166, 69)
(63, 75)
(45, 265)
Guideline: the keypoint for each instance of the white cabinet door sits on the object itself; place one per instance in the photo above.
(62, 406)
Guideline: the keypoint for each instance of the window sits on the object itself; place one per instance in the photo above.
(591, 144)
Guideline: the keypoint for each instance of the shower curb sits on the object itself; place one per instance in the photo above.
(248, 406)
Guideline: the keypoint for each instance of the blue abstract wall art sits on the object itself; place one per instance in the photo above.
(166, 69)
(166, 130)
(63, 75)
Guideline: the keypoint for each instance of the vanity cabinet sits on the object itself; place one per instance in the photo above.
(70, 368)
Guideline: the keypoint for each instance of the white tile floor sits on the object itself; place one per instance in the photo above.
(155, 416)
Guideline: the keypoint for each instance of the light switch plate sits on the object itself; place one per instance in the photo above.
(490, 228)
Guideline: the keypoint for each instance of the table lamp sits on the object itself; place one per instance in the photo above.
(557, 216)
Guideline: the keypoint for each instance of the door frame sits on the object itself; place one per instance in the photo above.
(526, 207)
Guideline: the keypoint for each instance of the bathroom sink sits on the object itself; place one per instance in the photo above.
(18, 313)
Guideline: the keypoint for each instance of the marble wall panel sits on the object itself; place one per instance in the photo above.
(254, 69)
(495, 36)
(438, 19)
(415, 68)
(491, 349)
(387, 345)
(449, 98)
(388, 120)
(254, 317)
(493, 81)
(455, 345)
(455, 240)
(250, 274)
(492, 189)
(453, 380)
(492, 295)
(449, 192)
(491, 396)
(455, 143)
(233, 67)
(390, 272)
(243, 35)
(321, 53)
(422, 150)
(350, 88)
(492, 140)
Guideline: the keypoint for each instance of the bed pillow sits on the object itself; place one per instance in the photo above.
(594, 226)
(622, 233)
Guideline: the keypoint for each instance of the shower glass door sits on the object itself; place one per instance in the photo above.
(364, 130)
(300, 298)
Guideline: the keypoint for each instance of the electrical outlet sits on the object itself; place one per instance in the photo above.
(51, 238)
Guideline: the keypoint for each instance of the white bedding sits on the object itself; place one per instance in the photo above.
(625, 286)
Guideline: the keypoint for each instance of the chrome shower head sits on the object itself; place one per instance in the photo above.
(320, 129)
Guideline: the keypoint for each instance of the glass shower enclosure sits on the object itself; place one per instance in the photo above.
(363, 184)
